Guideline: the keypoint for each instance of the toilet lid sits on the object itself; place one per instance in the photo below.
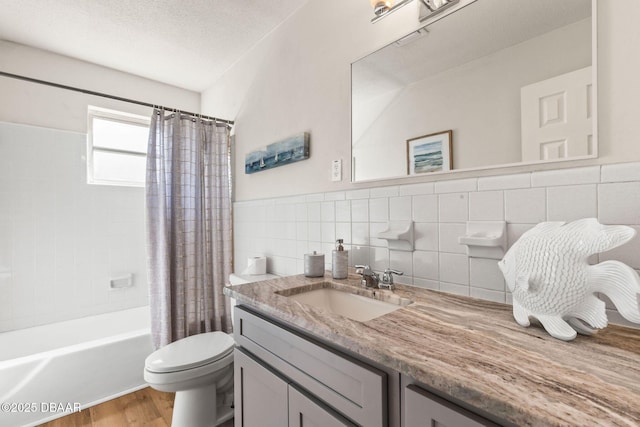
(190, 352)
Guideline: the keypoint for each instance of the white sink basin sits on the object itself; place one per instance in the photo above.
(350, 305)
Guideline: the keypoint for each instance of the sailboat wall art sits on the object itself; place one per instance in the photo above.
(289, 150)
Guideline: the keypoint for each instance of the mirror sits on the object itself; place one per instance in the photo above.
(494, 83)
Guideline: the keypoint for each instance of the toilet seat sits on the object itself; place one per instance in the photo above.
(189, 353)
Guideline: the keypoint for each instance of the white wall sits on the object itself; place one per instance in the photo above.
(39, 105)
(298, 79)
(61, 239)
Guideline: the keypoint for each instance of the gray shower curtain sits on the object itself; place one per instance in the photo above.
(189, 240)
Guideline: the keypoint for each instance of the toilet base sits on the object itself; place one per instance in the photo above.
(197, 408)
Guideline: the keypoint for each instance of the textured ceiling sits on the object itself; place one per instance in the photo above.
(186, 43)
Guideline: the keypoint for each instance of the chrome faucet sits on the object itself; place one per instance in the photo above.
(370, 279)
(387, 278)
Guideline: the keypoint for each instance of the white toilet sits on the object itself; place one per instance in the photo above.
(199, 369)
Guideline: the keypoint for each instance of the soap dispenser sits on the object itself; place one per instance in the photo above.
(340, 261)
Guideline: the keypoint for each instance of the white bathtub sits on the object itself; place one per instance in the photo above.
(51, 370)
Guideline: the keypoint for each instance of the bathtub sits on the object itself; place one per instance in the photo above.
(52, 370)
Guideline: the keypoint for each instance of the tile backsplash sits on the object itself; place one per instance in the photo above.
(286, 228)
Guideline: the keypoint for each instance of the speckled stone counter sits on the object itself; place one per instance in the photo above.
(473, 351)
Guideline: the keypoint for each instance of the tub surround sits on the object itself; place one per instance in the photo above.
(473, 352)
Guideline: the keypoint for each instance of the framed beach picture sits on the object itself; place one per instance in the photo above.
(429, 153)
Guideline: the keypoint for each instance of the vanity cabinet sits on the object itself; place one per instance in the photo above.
(260, 394)
(421, 408)
(281, 374)
(267, 399)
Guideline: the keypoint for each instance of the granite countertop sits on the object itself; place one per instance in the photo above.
(474, 351)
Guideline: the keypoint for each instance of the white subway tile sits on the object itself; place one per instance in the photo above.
(401, 261)
(487, 295)
(301, 212)
(328, 232)
(328, 211)
(571, 202)
(315, 231)
(457, 186)
(455, 288)
(621, 172)
(375, 228)
(343, 231)
(302, 231)
(629, 253)
(571, 176)
(314, 211)
(426, 283)
(527, 206)
(453, 207)
(504, 182)
(426, 265)
(403, 280)
(343, 211)
(360, 210)
(338, 195)
(425, 208)
(400, 208)
(515, 231)
(379, 259)
(417, 189)
(486, 206)
(426, 236)
(484, 273)
(360, 233)
(317, 197)
(357, 194)
(619, 203)
(360, 255)
(449, 234)
(454, 268)
(383, 192)
(379, 209)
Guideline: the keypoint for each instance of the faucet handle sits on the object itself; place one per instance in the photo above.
(387, 276)
(363, 269)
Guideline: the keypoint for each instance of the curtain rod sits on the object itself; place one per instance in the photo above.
(104, 95)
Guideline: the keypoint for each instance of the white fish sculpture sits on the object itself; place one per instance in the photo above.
(550, 279)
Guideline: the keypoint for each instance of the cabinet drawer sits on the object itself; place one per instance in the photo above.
(353, 388)
(422, 408)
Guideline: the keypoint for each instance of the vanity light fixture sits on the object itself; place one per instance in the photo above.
(382, 8)
(428, 8)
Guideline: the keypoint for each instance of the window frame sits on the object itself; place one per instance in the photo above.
(119, 117)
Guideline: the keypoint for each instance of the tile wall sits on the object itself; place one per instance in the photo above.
(62, 240)
(284, 229)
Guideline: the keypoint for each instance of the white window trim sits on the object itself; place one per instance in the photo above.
(116, 116)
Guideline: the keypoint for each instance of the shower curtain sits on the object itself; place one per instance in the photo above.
(189, 226)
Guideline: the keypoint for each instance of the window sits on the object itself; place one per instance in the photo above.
(117, 148)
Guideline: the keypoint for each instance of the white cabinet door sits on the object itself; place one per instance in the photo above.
(305, 412)
(422, 409)
(556, 117)
(260, 395)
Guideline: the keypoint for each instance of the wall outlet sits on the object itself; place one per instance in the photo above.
(336, 170)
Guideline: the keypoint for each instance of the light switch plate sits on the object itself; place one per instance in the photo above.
(336, 170)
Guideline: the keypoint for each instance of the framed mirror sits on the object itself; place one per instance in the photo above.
(504, 82)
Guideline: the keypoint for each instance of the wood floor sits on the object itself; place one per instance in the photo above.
(146, 407)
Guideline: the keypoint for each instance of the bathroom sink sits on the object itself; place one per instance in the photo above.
(353, 303)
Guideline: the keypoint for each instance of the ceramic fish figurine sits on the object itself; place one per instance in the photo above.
(550, 279)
